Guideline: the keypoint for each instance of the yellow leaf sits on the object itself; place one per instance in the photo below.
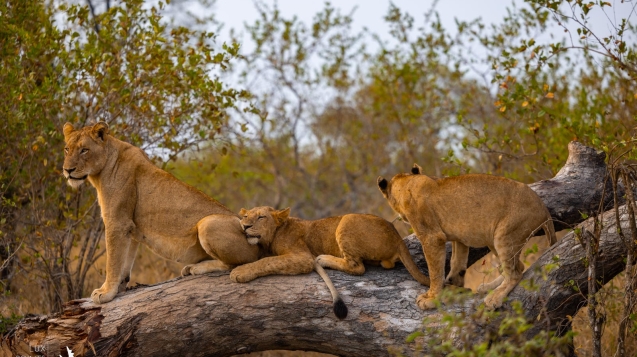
(546, 87)
(635, 96)
(525, 103)
(499, 103)
(503, 108)
(20, 97)
(549, 95)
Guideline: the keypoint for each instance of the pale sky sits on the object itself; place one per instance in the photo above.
(368, 13)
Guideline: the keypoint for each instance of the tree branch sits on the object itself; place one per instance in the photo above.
(212, 316)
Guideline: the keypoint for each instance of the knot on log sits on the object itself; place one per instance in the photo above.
(584, 156)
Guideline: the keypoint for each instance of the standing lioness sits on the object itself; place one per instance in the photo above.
(142, 203)
(471, 211)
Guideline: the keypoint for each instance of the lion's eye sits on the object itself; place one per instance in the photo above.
(66, 151)
(83, 151)
(260, 217)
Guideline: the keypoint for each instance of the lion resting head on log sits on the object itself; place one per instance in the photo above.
(141, 203)
(341, 243)
(471, 211)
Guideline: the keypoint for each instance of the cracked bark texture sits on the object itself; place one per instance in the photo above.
(211, 316)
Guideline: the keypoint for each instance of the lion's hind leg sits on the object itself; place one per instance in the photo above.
(128, 265)
(389, 263)
(508, 243)
(512, 270)
(207, 266)
(348, 265)
(222, 238)
(459, 258)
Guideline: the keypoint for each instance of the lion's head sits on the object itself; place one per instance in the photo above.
(386, 188)
(260, 223)
(84, 153)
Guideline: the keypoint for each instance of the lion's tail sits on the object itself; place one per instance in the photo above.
(340, 309)
(408, 262)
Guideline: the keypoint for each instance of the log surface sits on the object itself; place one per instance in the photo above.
(211, 316)
(577, 188)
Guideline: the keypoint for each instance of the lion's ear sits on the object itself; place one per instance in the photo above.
(382, 184)
(67, 129)
(416, 170)
(243, 212)
(100, 130)
(281, 216)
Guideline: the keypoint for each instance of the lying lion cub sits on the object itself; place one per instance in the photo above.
(341, 243)
(471, 211)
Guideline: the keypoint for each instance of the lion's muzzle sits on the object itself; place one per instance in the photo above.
(253, 240)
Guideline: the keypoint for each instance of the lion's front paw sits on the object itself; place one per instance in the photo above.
(321, 260)
(241, 275)
(455, 280)
(123, 285)
(187, 270)
(494, 300)
(425, 302)
(483, 288)
(102, 295)
(486, 287)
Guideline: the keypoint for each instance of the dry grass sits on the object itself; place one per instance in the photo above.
(613, 296)
(30, 298)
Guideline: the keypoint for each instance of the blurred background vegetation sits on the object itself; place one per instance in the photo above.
(307, 118)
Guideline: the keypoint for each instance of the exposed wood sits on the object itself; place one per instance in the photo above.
(212, 316)
(577, 187)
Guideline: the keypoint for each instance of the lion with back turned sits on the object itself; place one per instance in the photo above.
(140, 203)
(470, 211)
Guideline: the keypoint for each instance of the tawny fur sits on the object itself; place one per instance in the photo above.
(341, 243)
(142, 203)
(471, 211)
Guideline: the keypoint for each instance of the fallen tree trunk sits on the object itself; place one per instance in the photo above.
(211, 316)
(577, 188)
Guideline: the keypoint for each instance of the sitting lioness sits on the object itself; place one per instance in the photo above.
(142, 203)
(471, 211)
(341, 243)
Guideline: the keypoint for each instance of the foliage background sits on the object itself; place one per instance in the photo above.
(307, 118)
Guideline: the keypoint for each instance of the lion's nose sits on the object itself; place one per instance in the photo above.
(69, 170)
(245, 227)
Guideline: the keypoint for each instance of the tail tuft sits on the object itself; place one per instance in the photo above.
(340, 309)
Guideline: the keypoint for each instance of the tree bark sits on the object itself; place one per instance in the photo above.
(212, 316)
